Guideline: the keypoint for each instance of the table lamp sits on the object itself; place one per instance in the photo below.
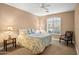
(9, 32)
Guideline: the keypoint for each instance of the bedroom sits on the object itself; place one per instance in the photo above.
(18, 18)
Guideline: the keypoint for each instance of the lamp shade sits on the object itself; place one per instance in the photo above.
(10, 28)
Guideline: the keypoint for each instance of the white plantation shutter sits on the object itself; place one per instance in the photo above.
(54, 25)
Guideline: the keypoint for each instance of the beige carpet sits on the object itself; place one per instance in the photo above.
(59, 49)
(55, 48)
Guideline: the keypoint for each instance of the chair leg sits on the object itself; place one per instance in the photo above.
(59, 40)
(71, 42)
(67, 43)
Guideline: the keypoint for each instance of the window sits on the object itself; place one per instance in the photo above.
(54, 25)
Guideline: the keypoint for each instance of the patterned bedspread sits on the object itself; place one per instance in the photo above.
(34, 42)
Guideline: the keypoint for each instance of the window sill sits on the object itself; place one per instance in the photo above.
(54, 34)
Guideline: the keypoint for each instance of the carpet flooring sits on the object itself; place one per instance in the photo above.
(55, 48)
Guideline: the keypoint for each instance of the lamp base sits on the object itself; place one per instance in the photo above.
(9, 37)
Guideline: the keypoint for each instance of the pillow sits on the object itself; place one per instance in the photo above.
(40, 32)
(23, 31)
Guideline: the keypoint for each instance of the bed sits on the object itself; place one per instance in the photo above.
(35, 42)
(45, 37)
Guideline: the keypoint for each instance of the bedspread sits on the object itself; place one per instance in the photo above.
(34, 43)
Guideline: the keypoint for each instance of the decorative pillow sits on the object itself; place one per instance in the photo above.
(23, 33)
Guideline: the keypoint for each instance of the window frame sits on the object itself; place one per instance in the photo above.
(53, 19)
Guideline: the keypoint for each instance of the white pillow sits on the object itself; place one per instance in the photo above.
(40, 32)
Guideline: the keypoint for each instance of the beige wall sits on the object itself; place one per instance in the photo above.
(77, 27)
(16, 18)
(67, 21)
(10, 16)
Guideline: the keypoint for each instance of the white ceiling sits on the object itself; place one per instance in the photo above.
(35, 9)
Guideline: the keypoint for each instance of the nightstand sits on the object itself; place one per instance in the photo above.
(9, 42)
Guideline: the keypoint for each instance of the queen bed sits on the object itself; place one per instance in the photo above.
(35, 42)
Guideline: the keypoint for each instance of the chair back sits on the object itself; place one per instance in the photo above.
(69, 34)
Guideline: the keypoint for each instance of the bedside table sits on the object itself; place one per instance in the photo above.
(8, 42)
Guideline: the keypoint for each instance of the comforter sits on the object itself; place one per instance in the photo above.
(35, 45)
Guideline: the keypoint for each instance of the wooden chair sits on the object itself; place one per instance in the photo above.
(68, 36)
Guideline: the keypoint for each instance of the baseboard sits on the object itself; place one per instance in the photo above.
(77, 50)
